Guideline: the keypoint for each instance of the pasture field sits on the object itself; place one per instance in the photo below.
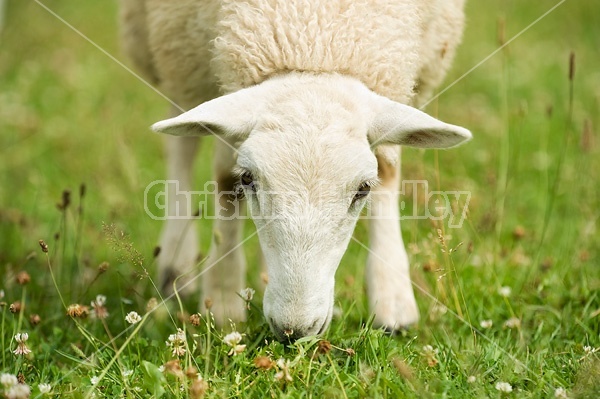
(512, 311)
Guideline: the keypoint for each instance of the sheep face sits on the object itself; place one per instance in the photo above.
(306, 166)
(305, 184)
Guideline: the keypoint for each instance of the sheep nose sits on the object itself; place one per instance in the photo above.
(288, 333)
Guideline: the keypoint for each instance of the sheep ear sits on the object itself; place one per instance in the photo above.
(395, 123)
(230, 115)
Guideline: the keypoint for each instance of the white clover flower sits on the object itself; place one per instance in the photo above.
(284, 370)
(177, 343)
(486, 323)
(236, 350)
(133, 318)
(8, 380)
(513, 322)
(561, 393)
(95, 380)
(100, 300)
(471, 379)
(429, 352)
(504, 387)
(22, 348)
(232, 339)
(247, 294)
(504, 291)
(99, 311)
(19, 391)
(126, 373)
(44, 388)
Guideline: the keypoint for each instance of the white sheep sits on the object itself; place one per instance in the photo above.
(313, 102)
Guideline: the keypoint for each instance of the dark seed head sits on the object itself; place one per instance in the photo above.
(44, 246)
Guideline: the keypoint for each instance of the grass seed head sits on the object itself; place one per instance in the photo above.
(198, 388)
(78, 311)
(195, 319)
(16, 307)
(151, 305)
(519, 232)
(571, 66)
(173, 367)
(403, 369)
(65, 200)
(191, 372)
(263, 363)
(324, 346)
(44, 246)
(103, 267)
(35, 319)
(23, 278)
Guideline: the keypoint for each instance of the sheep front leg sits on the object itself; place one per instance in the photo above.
(179, 239)
(224, 274)
(391, 296)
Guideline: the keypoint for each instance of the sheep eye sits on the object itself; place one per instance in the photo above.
(247, 181)
(362, 192)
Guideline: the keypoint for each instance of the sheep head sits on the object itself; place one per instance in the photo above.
(306, 165)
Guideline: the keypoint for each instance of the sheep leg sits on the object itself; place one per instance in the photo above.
(224, 274)
(391, 296)
(179, 239)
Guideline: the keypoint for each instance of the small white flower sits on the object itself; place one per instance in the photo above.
(428, 350)
(22, 348)
(126, 373)
(177, 342)
(8, 380)
(284, 370)
(232, 339)
(95, 380)
(589, 350)
(513, 322)
(504, 291)
(133, 318)
(503, 387)
(21, 338)
(561, 393)
(161, 368)
(100, 300)
(471, 379)
(247, 294)
(44, 388)
(19, 391)
(236, 350)
(486, 323)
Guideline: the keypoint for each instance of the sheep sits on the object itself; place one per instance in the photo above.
(310, 101)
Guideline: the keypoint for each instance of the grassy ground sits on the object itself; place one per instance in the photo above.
(69, 115)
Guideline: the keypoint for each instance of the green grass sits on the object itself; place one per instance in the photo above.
(70, 115)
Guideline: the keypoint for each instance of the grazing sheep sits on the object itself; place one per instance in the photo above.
(309, 100)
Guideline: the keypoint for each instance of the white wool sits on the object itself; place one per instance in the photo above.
(392, 46)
